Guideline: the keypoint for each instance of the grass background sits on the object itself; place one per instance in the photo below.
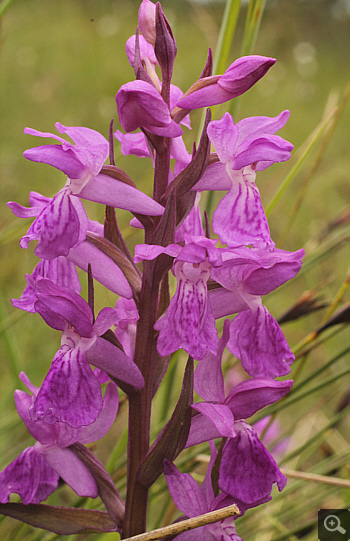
(64, 61)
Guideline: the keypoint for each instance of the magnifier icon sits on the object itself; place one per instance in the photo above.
(332, 524)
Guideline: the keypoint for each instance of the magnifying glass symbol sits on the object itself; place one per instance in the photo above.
(332, 524)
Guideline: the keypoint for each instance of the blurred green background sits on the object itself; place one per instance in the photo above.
(65, 60)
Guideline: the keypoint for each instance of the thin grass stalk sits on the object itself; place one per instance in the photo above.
(118, 450)
(227, 31)
(10, 345)
(4, 6)
(222, 49)
(305, 149)
(251, 30)
(293, 399)
(322, 150)
(337, 299)
(321, 369)
(226, 34)
(305, 476)
(336, 419)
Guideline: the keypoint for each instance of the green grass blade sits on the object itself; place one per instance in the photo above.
(10, 343)
(227, 31)
(251, 30)
(295, 397)
(252, 25)
(322, 150)
(222, 49)
(305, 150)
(335, 420)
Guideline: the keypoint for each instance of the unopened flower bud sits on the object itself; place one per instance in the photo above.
(236, 80)
(147, 21)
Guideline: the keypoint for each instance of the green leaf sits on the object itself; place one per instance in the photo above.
(60, 520)
(106, 488)
(172, 439)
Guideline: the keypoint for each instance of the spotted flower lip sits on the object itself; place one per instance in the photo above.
(35, 473)
(237, 79)
(188, 323)
(71, 392)
(246, 275)
(218, 414)
(60, 223)
(193, 500)
(242, 150)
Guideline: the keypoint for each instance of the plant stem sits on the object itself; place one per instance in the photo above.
(140, 405)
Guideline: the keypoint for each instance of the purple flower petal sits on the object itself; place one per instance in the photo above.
(103, 268)
(115, 362)
(61, 224)
(223, 134)
(104, 421)
(72, 471)
(251, 476)
(139, 104)
(40, 431)
(215, 177)
(224, 302)
(251, 395)
(133, 143)
(202, 429)
(239, 218)
(266, 148)
(60, 271)
(25, 212)
(151, 251)
(126, 326)
(88, 154)
(192, 224)
(175, 95)
(184, 491)
(147, 20)
(218, 414)
(207, 487)
(208, 378)
(29, 476)
(255, 126)
(70, 392)
(209, 95)
(237, 79)
(55, 155)
(257, 340)
(225, 530)
(103, 189)
(146, 50)
(189, 323)
(64, 303)
(284, 266)
(105, 319)
(244, 73)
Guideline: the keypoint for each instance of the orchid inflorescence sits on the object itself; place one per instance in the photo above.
(215, 278)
